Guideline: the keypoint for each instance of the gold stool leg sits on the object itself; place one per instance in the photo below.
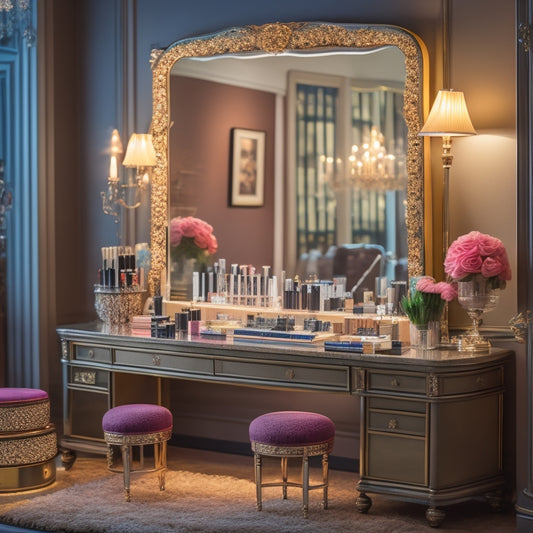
(284, 475)
(126, 463)
(160, 451)
(325, 463)
(305, 484)
(109, 456)
(258, 479)
(141, 457)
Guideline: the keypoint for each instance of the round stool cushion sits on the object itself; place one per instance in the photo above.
(137, 418)
(291, 428)
(14, 394)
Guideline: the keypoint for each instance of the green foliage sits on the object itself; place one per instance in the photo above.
(423, 307)
(187, 249)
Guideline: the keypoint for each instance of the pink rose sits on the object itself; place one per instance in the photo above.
(491, 267)
(489, 245)
(447, 291)
(175, 233)
(462, 261)
(193, 228)
(497, 266)
(477, 253)
(426, 284)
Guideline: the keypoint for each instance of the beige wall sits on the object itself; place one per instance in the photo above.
(483, 175)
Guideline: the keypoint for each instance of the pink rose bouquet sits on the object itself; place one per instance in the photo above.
(477, 253)
(427, 302)
(191, 238)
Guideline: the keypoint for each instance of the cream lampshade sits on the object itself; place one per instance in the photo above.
(140, 151)
(448, 116)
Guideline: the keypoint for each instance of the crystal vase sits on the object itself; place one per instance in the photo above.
(181, 271)
(477, 296)
(424, 337)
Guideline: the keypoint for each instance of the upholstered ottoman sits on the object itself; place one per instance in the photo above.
(287, 434)
(28, 441)
(138, 425)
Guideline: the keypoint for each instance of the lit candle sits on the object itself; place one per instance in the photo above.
(113, 167)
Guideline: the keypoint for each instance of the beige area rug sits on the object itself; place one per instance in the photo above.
(214, 492)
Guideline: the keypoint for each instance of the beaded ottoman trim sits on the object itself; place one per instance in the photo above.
(28, 448)
(24, 416)
(296, 451)
(137, 439)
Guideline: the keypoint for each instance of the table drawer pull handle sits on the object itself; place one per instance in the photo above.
(395, 382)
(156, 360)
(86, 378)
(290, 373)
(90, 353)
(393, 424)
(480, 381)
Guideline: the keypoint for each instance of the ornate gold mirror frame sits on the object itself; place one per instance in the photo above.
(276, 39)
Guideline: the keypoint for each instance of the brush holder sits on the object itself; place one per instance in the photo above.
(117, 306)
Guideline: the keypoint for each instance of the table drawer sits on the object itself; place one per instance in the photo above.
(88, 377)
(396, 404)
(328, 377)
(92, 353)
(470, 382)
(397, 382)
(396, 458)
(397, 422)
(198, 365)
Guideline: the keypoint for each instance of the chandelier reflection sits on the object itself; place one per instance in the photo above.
(368, 167)
(140, 154)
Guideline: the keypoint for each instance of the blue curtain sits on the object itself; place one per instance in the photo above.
(20, 352)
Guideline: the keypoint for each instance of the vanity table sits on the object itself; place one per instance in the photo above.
(431, 422)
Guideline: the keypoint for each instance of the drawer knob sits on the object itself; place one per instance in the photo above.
(156, 360)
(395, 382)
(480, 381)
(393, 424)
(290, 373)
(90, 353)
(86, 378)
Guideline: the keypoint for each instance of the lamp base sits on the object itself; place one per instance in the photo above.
(473, 343)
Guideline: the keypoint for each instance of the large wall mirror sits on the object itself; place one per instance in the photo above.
(334, 113)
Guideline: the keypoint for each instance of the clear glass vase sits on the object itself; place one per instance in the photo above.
(425, 337)
(476, 296)
(181, 272)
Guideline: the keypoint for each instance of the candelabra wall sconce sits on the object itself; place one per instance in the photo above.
(140, 155)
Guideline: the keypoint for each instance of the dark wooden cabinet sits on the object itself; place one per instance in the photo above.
(431, 424)
(432, 437)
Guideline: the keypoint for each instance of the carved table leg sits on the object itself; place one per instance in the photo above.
(435, 516)
(67, 458)
(363, 503)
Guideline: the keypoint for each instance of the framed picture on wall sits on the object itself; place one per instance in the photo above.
(247, 180)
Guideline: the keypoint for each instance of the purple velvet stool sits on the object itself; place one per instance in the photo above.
(287, 434)
(136, 425)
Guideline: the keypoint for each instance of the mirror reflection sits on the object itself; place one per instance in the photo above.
(343, 141)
